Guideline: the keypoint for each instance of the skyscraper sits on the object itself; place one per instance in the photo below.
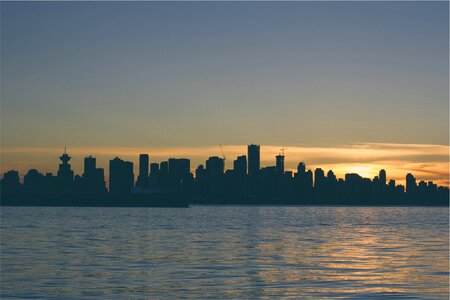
(65, 174)
(121, 177)
(301, 168)
(410, 183)
(240, 166)
(179, 167)
(10, 182)
(142, 180)
(253, 155)
(154, 169)
(164, 168)
(331, 178)
(214, 166)
(179, 174)
(319, 178)
(280, 164)
(93, 179)
(382, 178)
(89, 168)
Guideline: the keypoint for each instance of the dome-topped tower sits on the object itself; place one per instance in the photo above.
(65, 174)
(65, 158)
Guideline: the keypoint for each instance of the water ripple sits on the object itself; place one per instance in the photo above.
(225, 253)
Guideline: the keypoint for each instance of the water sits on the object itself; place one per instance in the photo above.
(225, 252)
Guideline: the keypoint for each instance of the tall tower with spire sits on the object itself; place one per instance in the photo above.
(65, 174)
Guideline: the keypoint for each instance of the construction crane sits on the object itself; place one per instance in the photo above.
(223, 155)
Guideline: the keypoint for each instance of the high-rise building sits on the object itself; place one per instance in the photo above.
(410, 183)
(214, 166)
(301, 168)
(143, 164)
(214, 175)
(319, 178)
(382, 178)
(93, 179)
(164, 168)
(200, 172)
(142, 180)
(179, 176)
(65, 173)
(309, 179)
(99, 183)
(10, 182)
(179, 167)
(33, 181)
(253, 155)
(391, 184)
(89, 167)
(154, 169)
(90, 181)
(121, 177)
(89, 171)
(240, 166)
(331, 178)
(279, 164)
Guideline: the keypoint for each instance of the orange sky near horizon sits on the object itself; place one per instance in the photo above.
(425, 161)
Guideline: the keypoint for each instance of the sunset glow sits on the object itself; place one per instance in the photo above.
(427, 162)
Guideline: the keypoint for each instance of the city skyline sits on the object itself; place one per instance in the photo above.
(348, 86)
(248, 182)
(350, 163)
(224, 149)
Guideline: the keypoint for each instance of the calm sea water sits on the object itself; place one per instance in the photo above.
(220, 252)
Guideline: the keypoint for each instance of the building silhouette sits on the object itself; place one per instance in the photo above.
(121, 177)
(319, 179)
(410, 184)
(240, 166)
(214, 176)
(280, 164)
(253, 159)
(142, 181)
(213, 184)
(154, 169)
(179, 175)
(34, 181)
(179, 167)
(65, 173)
(11, 182)
(89, 168)
(93, 178)
(215, 166)
(382, 178)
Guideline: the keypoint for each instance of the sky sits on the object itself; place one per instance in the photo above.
(326, 80)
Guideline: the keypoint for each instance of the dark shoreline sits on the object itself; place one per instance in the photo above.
(177, 200)
(95, 200)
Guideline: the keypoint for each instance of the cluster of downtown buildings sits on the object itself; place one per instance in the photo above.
(246, 183)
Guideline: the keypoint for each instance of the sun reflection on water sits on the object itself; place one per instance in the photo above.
(226, 252)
